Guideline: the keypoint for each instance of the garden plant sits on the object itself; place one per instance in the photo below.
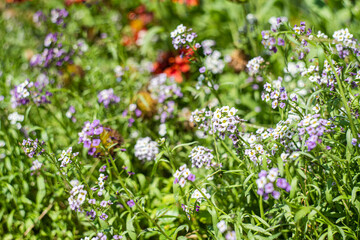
(179, 119)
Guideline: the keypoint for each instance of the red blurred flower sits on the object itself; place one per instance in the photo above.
(70, 2)
(173, 66)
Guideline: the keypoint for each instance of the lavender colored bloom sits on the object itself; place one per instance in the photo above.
(116, 237)
(58, 16)
(89, 135)
(269, 188)
(281, 183)
(281, 42)
(103, 203)
(276, 195)
(262, 173)
(104, 216)
(202, 69)
(92, 201)
(91, 214)
(107, 96)
(130, 203)
(102, 169)
(191, 177)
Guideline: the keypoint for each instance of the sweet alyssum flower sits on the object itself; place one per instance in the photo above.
(266, 182)
(77, 197)
(312, 127)
(221, 226)
(16, 119)
(214, 63)
(36, 165)
(201, 156)
(146, 149)
(164, 90)
(254, 65)
(199, 195)
(182, 175)
(183, 37)
(67, 157)
(90, 135)
(27, 92)
(107, 96)
(32, 147)
(223, 121)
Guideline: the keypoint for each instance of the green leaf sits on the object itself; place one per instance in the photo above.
(130, 227)
(183, 145)
(255, 228)
(302, 213)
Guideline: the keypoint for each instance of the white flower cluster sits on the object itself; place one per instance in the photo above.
(67, 156)
(77, 197)
(199, 195)
(146, 149)
(281, 133)
(214, 63)
(101, 180)
(326, 77)
(253, 65)
(36, 165)
(344, 36)
(182, 175)
(181, 35)
(321, 35)
(201, 156)
(223, 120)
(15, 119)
(119, 71)
(206, 45)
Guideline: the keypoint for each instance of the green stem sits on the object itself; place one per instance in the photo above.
(261, 208)
(352, 126)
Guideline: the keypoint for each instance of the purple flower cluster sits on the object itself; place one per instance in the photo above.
(107, 96)
(185, 174)
(183, 37)
(312, 127)
(27, 92)
(58, 16)
(276, 93)
(32, 147)
(266, 181)
(54, 53)
(164, 90)
(90, 135)
(270, 41)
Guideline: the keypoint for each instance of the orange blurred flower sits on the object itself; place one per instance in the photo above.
(188, 2)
